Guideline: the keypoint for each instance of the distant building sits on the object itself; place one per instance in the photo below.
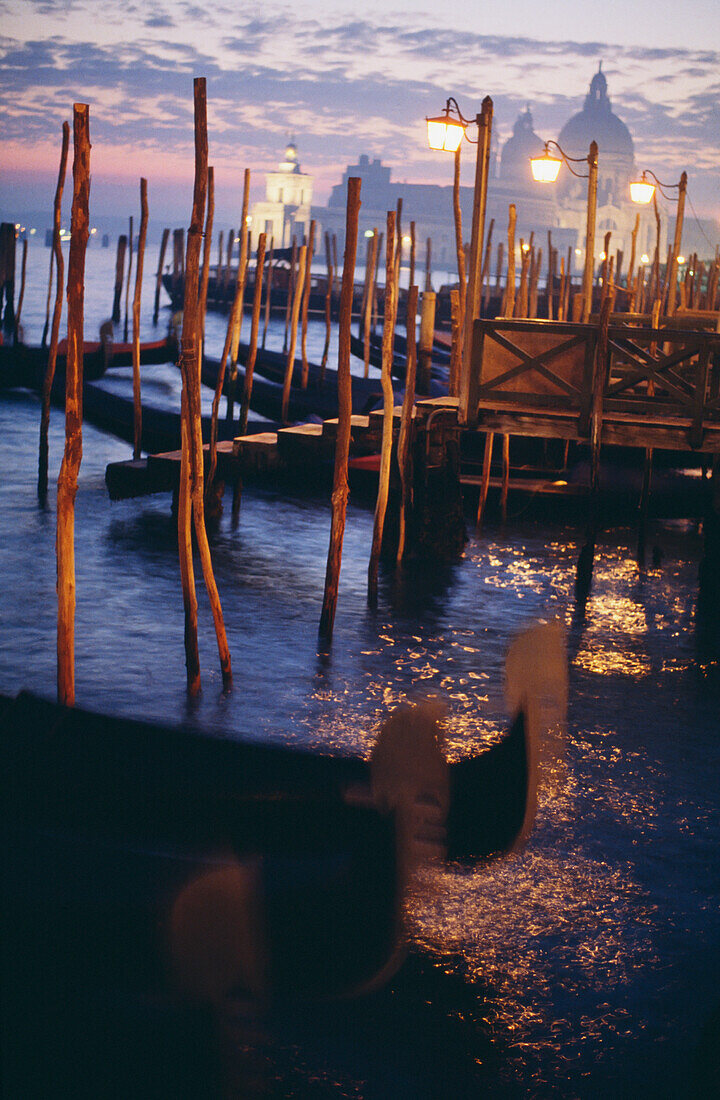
(285, 212)
(559, 209)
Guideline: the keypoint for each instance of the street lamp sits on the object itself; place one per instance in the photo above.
(545, 169)
(642, 191)
(445, 132)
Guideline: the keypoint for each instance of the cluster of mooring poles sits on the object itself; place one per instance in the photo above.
(648, 295)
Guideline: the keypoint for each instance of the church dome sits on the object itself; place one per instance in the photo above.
(291, 162)
(518, 149)
(596, 122)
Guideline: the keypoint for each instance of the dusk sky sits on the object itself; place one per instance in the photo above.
(344, 79)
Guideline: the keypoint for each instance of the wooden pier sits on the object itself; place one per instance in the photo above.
(598, 385)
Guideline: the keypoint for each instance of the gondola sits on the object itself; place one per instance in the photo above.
(24, 365)
(144, 865)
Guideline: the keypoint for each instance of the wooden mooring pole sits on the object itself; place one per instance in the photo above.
(404, 449)
(131, 245)
(137, 402)
(159, 273)
(240, 294)
(583, 579)
(342, 445)
(190, 368)
(49, 376)
(119, 277)
(390, 314)
(255, 324)
(295, 314)
(70, 468)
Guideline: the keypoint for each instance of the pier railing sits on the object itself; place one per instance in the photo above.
(540, 371)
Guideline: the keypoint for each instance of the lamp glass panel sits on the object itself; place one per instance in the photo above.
(545, 169)
(641, 191)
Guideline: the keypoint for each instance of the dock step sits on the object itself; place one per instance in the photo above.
(258, 452)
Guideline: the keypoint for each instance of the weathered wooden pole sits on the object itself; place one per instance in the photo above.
(228, 264)
(137, 402)
(305, 304)
(119, 277)
(427, 332)
(70, 468)
(561, 298)
(131, 245)
(21, 296)
(57, 312)
(369, 299)
(207, 245)
(468, 383)
(583, 578)
(290, 291)
(388, 346)
(535, 266)
(485, 273)
(551, 278)
(485, 478)
(255, 325)
(46, 326)
(8, 239)
(220, 258)
(342, 444)
(587, 290)
(269, 288)
(297, 298)
(505, 476)
(239, 286)
(159, 274)
(456, 335)
(428, 264)
(459, 247)
(413, 249)
(509, 303)
(521, 305)
(677, 242)
(404, 452)
(190, 367)
(631, 266)
(328, 307)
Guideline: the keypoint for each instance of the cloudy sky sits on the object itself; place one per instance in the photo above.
(344, 78)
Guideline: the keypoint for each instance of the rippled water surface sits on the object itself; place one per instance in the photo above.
(592, 957)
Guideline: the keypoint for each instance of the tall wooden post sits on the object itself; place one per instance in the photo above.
(127, 283)
(677, 243)
(297, 298)
(137, 403)
(388, 346)
(55, 329)
(68, 478)
(305, 304)
(239, 286)
(342, 444)
(468, 385)
(369, 299)
(119, 276)
(158, 275)
(590, 231)
(404, 453)
(427, 331)
(190, 367)
(255, 325)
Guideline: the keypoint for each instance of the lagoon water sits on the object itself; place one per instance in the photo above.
(589, 962)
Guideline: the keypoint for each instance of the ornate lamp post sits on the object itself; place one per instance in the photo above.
(642, 191)
(545, 170)
(446, 132)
